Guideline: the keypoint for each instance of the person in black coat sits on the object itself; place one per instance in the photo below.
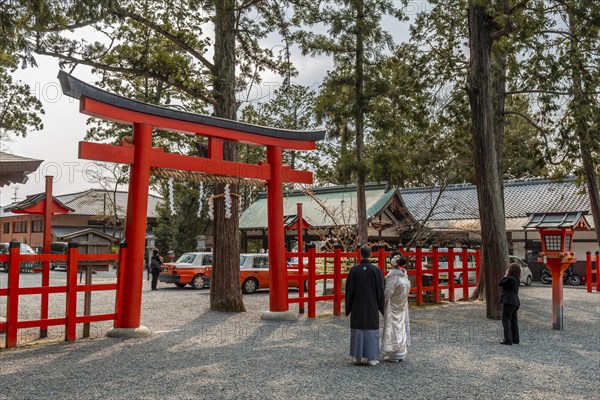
(156, 263)
(364, 301)
(510, 303)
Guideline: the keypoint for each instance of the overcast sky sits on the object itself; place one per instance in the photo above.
(64, 126)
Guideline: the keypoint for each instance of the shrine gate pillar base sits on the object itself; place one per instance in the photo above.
(279, 316)
(127, 333)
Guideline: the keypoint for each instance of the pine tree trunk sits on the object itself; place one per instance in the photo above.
(361, 201)
(582, 104)
(225, 292)
(489, 188)
(498, 100)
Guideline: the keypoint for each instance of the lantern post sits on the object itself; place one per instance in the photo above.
(556, 232)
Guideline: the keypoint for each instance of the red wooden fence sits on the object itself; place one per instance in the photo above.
(590, 271)
(71, 319)
(416, 267)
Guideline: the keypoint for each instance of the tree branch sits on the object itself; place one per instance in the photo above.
(528, 119)
(121, 12)
(140, 72)
(59, 28)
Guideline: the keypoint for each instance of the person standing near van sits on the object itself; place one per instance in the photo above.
(364, 301)
(510, 303)
(156, 263)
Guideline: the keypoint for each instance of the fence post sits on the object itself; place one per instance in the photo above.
(588, 270)
(300, 233)
(301, 292)
(381, 258)
(12, 306)
(312, 265)
(419, 275)
(465, 268)
(435, 263)
(477, 263)
(119, 291)
(71, 297)
(597, 271)
(451, 273)
(337, 275)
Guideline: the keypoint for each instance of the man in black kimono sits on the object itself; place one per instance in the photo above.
(364, 300)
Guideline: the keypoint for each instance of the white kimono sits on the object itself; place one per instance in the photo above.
(395, 338)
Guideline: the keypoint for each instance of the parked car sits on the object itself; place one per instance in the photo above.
(4, 250)
(25, 249)
(190, 269)
(254, 273)
(195, 269)
(58, 248)
(458, 265)
(526, 276)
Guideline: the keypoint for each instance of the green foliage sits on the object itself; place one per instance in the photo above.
(560, 75)
(19, 107)
(178, 231)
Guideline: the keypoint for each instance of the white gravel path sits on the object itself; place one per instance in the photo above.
(198, 354)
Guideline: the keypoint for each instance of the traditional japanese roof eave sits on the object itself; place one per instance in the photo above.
(35, 205)
(78, 89)
(375, 210)
(14, 169)
(255, 219)
(290, 222)
(569, 220)
(88, 230)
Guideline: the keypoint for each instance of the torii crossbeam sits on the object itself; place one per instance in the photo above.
(142, 157)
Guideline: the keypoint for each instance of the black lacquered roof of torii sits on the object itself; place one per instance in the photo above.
(77, 89)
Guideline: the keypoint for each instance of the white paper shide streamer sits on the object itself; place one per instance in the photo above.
(227, 194)
(211, 209)
(171, 196)
(201, 190)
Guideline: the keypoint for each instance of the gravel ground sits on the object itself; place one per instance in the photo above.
(198, 354)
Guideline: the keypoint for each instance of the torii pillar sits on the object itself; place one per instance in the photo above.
(135, 230)
(278, 303)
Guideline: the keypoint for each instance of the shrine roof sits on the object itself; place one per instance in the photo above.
(455, 207)
(14, 169)
(77, 89)
(574, 220)
(340, 202)
(34, 205)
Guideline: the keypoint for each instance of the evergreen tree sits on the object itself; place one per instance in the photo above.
(356, 41)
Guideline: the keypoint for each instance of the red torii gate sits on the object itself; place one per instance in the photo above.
(142, 156)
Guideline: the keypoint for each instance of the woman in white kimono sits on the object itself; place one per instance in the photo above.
(396, 328)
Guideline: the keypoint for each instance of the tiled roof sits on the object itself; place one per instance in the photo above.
(31, 201)
(14, 169)
(65, 231)
(340, 202)
(521, 197)
(92, 202)
(456, 208)
(95, 201)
